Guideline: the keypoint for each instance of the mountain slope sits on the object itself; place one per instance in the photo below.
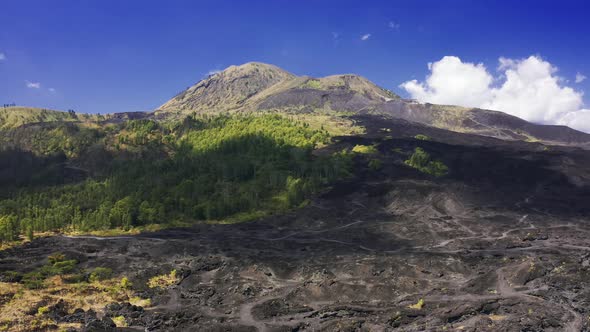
(503, 235)
(257, 87)
(326, 102)
(11, 117)
(227, 90)
(482, 122)
(274, 224)
(261, 86)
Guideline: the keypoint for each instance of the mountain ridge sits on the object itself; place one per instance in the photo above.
(257, 87)
(345, 94)
(265, 213)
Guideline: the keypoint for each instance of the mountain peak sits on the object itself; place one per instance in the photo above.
(228, 89)
(254, 66)
(251, 85)
(261, 87)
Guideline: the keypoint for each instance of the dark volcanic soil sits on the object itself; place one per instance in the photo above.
(501, 244)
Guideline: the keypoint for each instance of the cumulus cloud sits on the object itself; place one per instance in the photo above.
(52, 90)
(579, 120)
(33, 85)
(452, 82)
(528, 88)
(580, 77)
(365, 37)
(2, 56)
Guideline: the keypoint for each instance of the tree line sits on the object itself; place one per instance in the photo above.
(202, 168)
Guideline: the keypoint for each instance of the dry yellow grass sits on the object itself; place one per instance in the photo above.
(164, 280)
(19, 301)
(418, 305)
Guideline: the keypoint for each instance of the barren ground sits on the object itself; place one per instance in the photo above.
(501, 244)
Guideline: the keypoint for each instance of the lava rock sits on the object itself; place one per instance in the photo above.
(104, 325)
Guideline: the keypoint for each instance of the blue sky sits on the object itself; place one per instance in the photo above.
(113, 55)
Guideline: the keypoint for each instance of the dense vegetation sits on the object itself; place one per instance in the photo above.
(142, 172)
(422, 161)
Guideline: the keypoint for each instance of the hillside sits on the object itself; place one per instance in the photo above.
(258, 200)
(11, 117)
(227, 90)
(257, 87)
(261, 86)
(389, 243)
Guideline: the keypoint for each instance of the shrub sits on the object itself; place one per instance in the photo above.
(313, 84)
(295, 191)
(365, 149)
(125, 283)
(58, 268)
(422, 137)
(10, 276)
(33, 280)
(100, 273)
(421, 161)
(163, 281)
(375, 164)
(74, 278)
(138, 301)
(120, 321)
(56, 257)
(419, 305)
(437, 168)
(42, 311)
(30, 233)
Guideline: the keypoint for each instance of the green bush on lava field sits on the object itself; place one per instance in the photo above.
(422, 161)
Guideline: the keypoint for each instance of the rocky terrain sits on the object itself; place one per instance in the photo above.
(500, 244)
(259, 87)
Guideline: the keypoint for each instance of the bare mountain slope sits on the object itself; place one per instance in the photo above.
(481, 122)
(258, 87)
(227, 90)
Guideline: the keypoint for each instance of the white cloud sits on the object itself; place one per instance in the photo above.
(579, 120)
(580, 77)
(33, 85)
(452, 82)
(392, 25)
(2, 56)
(365, 37)
(528, 88)
(52, 90)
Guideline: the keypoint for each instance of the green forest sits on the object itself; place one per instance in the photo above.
(73, 177)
